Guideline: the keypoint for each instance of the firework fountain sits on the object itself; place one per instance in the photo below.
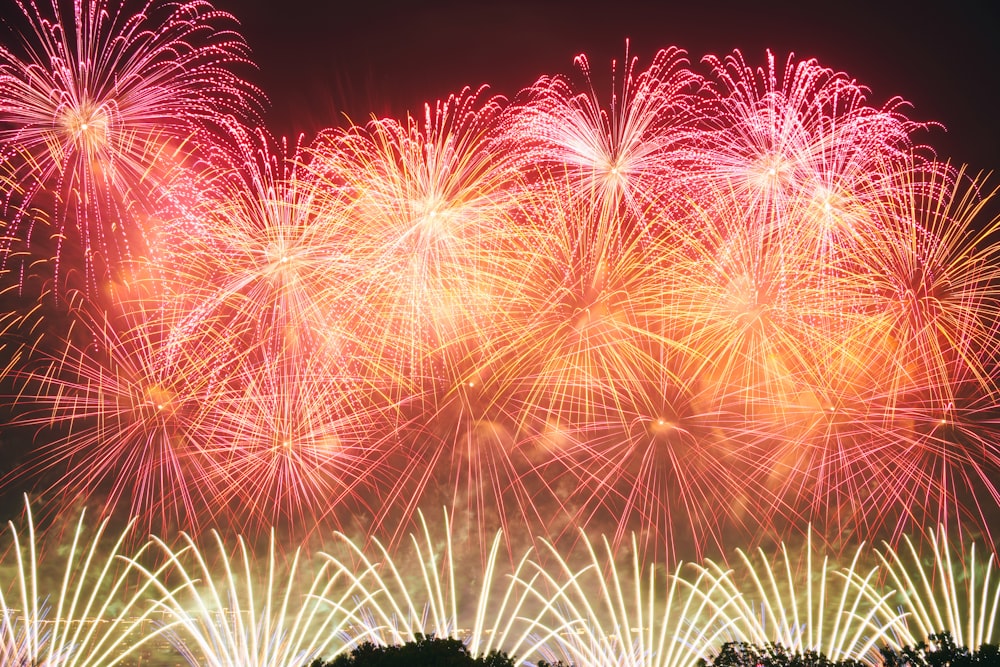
(722, 305)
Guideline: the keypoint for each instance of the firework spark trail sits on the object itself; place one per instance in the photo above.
(610, 616)
(394, 609)
(220, 604)
(94, 615)
(952, 592)
(839, 612)
(246, 617)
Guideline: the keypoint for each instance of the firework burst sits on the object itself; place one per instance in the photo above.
(133, 406)
(96, 102)
(621, 155)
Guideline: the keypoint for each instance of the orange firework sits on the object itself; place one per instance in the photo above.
(427, 215)
(127, 409)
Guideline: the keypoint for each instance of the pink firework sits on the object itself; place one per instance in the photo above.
(95, 104)
(623, 154)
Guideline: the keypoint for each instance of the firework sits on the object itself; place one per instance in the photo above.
(97, 101)
(775, 134)
(590, 375)
(704, 306)
(839, 612)
(95, 614)
(244, 616)
(397, 604)
(905, 396)
(127, 409)
(218, 603)
(428, 211)
(609, 615)
(428, 215)
(948, 592)
(624, 154)
(297, 447)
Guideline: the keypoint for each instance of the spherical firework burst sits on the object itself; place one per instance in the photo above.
(622, 155)
(590, 375)
(96, 101)
(257, 249)
(427, 207)
(427, 211)
(299, 448)
(127, 409)
(773, 135)
(905, 396)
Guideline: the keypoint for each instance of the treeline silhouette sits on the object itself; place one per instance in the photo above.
(939, 650)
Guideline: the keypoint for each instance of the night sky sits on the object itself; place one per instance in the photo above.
(320, 61)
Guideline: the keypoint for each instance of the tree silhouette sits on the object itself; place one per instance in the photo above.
(743, 654)
(425, 651)
(940, 650)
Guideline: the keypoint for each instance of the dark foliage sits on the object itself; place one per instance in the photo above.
(742, 654)
(426, 651)
(939, 650)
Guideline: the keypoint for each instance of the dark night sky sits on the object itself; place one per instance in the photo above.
(319, 60)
